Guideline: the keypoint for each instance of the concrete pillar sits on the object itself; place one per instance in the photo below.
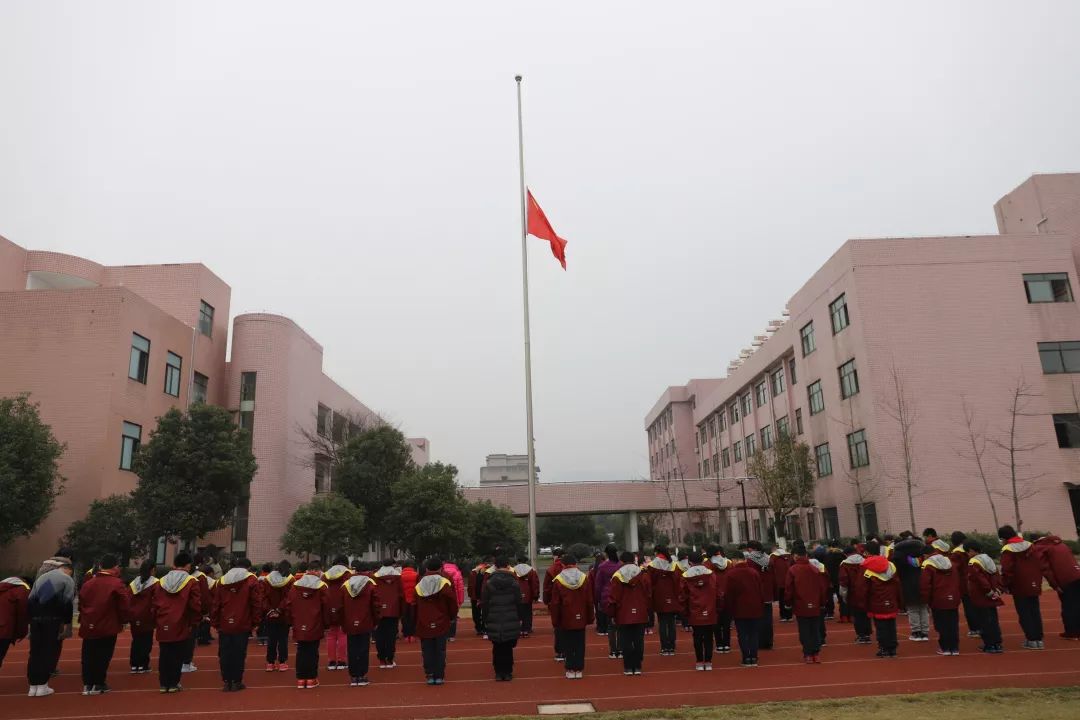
(631, 531)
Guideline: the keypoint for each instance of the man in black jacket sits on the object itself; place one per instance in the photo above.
(501, 596)
(907, 557)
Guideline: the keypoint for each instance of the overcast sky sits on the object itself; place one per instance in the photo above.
(354, 167)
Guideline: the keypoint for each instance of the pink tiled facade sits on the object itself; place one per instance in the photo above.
(951, 316)
(66, 325)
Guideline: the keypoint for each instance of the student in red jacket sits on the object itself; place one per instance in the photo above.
(805, 593)
(960, 560)
(762, 562)
(743, 599)
(336, 651)
(530, 591)
(545, 596)
(719, 564)
(103, 607)
(14, 619)
(409, 578)
(436, 606)
(629, 601)
(939, 590)
(275, 591)
(141, 617)
(985, 589)
(391, 599)
(359, 614)
(572, 609)
(665, 581)
(699, 598)
(237, 609)
(307, 609)
(1021, 574)
(1062, 571)
(881, 588)
(780, 561)
(177, 605)
(850, 590)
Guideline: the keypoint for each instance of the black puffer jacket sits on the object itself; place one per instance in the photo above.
(906, 554)
(501, 596)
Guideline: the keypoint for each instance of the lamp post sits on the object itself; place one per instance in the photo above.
(745, 515)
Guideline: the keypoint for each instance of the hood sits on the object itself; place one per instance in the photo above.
(430, 585)
(855, 559)
(879, 566)
(759, 558)
(818, 564)
(697, 571)
(175, 581)
(522, 569)
(311, 582)
(12, 582)
(237, 574)
(138, 585)
(660, 564)
(683, 564)
(1048, 540)
(335, 572)
(939, 562)
(386, 570)
(940, 545)
(571, 577)
(719, 562)
(780, 552)
(356, 584)
(277, 580)
(985, 562)
(627, 573)
(52, 564)
(1016, 544)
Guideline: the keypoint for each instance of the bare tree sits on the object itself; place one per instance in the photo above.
(1021, 485)
(865, 486)
(902, 408)
(975, 444)
(783, 479)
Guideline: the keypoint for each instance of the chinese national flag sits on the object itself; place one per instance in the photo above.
(538, 226)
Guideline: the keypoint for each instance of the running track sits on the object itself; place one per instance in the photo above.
(847, 670)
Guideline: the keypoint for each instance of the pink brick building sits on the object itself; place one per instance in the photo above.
(107, 350)
(960, 320)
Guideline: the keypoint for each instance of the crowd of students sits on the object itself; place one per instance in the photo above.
(625, 595)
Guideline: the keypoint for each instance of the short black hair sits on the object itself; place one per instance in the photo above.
(754, 545)
(929, 532)
(906, 534)
(388, 563)
(849, 550)
(626, 557)
(267, 567)
(242, 562)
(557, 552)
(523, 559)
(1006, 531)
(314, 565)
(873, 548)
(199, 559)
(284, 567)
(569, 559)
(181, 559)
(433, 564)
(340, 560)
(108, 561)
(146, 569)
(502, 561)
(798, 548)
(957, 538)
(300, 566)
(972, 546)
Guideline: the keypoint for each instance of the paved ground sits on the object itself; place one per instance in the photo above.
(847, 670)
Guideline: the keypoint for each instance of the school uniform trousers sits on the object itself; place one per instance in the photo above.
(574, 646)
(525, 617)
(44, 649)
(989, 627)
(97, 653)
(632, 642)
(748, 630)
(703, 643)
(433, 651)
(277, 642)
(765, 634)
(502, 656)
(170, 662)
(141, 646)
(386, 639)
(359, 649)
(1030, 614)
(947, 625)
(810, 633)
(722, 632)
(232, 656)
(307, 659)
(885, 628)
(666, 621)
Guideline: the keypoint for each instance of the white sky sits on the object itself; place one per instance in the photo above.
(353, 166)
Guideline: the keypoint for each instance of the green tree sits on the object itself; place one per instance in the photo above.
(110, 526)
(327, 525)
(369, 466)
(783, 478)
(193, 472)
(429, 514)
(30, 477)
(566, 530)
(496, 527)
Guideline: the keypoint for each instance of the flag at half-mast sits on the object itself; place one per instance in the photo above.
(538, 226)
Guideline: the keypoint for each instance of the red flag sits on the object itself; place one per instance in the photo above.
(538, 226)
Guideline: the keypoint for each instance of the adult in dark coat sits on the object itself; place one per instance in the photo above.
(500, 599)
(907, 557)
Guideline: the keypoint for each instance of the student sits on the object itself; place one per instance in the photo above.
(601, 592)
(264, 572)
(275, 592)
(501, 599)
(307, 610)
(720, 565)
(336, 651)
(204, 573)
(529, 582)
(14, 621)
(780, 562)
(409, 579)
(1021, 575)
(103, 608)
(359, 614)
(598, 611)
(628, 604)
(743, 600)
(436, 606)
(960, 560)
(177, 607)
(141, 617)
(805, 592)
(666, 596)
(850, 576)
(1062, 571)
(907, 557)
(826, 586)
(391, 598)
(834, 555)
(881, 589)
(985, 589)
(760, 561)
(549, 578)
(572, 610)
(49, 607)
(476, 576)
(700, 598)
(453, 574)
(939, 589)
(237, 609)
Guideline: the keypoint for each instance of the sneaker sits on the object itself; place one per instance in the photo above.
(353, 682)
(973, 633)
(1067, 636)
(282, 667)
(188, 668)
(163, 690)
(431, 681)
(816, 659)
(638, 671)
(103, 688)
(312, 684)
(227, 687)
(944, 652)
(237, 687)
(700, 667)
(271, 667)
(747, 663)
(708, 667)
(579, 674)
(863, 640)
(611, 656)
(440, 681)
(1030, 645)
(134, 670)
(1042, 644)
(301, 684)
(808, 659)
(924, 637)
(569, 675)
(913, 637)
(391, 665)
(86, 689)
(753, 662)
(560, 658)
(880, 654)
(382, 666)
(362, 682)
(627, 672)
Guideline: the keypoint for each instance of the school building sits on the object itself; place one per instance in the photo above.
(107, 350)
(973, 340)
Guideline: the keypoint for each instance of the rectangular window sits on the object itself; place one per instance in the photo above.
(247, 386)
(798, 421)
(751, 445)
(762, 393)
(200, 388)
(131, 438)
(746, 406)
(735, 413)
(817, 400)
(725, 458)
(849, 379)
(322, 422)
(777, 378)
(831, 519)
(139, 361)
(811, 524)
(791, 370)
(1067, 427)
(858, 453)
(702, 435)
(173, 363)
(322, 474)
(839, 313)
(807, 335)
(716, 463)
(1048, 288)
(705, 468)
(868, 513)
(1060, 357)
(247, 424)
(766, 437)
(783, 429)
(824, 460)
(240, 521)
(206, 318)
(721, 419)
(737, 450)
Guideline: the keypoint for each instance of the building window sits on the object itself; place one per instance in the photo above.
(1060, 357)
(831, 520)
(322, 474)
(791, 370)
(824, 460)
(200, 388)
(811, 524)
(711, 424)
(1048, 288)
(783, 429)
(735, 413)
(839, 313)
(716, 463)
(762, 393)
(206, 318)
(247, 387)
(721, 420)
(858, 453)
(766, 437)
(247, 424)
(807, 335)
(751, 445)
(705, 468)
(323, 421)
(777, 378)
(139, 362)
(172, 374)
(725, 458)
(736, 449)
(702, 434)
(131, 438)
(1067, 427)
(817, 400)
(849, 379)
(746, 407)
(798, 421)
(868, 513)
(240, 522)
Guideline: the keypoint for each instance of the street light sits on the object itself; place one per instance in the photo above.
(745, 516)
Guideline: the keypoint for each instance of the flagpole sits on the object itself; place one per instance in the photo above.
(528, 355)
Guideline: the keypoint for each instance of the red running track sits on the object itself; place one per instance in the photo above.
(847, 670)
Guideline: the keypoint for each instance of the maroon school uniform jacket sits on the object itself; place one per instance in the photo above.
(140, 615)
(665, 581)
(851, 586)
(572, 606)
(359, 606)
(1059, 565)
(721, 568)
(1021, 568)
(389, 593)
(238, 603)
(804, 590)
(549, 577)
(307, 608)
(939, 583)
(103, 605)
(334, 578)
(960, 561)
(14, 619)
(881, 588)
(630, 596)
(744, 596)
(436, 606)
(177, 606)
(699, 596)
(984, 582)
(206, 592)
(780, 562)
(275, 590)
(528, 581)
